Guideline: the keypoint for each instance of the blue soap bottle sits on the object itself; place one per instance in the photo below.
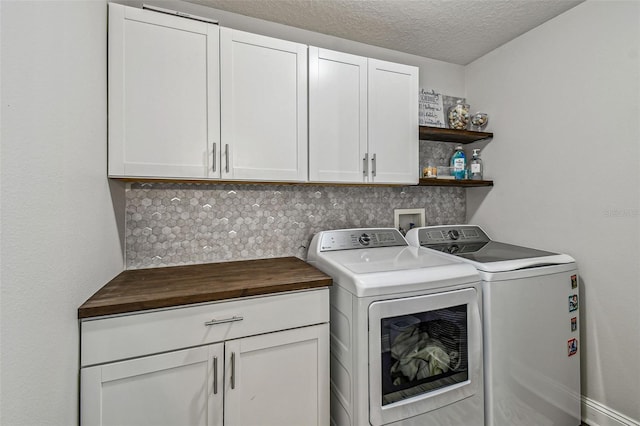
(458, 163)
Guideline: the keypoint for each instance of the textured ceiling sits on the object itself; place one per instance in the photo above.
(456, 31)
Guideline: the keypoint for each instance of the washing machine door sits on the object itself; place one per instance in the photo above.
(425, 352)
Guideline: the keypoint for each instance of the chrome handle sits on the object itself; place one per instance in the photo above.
(215, 375)
(214, 157)
(233, 370)
(365, 164)
(373, 165)
(226, 157)
(222, 321)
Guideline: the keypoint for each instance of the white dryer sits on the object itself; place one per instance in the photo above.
(530, 299)
(406, 331)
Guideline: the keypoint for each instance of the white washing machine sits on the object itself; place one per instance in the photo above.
(530, 300)
(406, 331)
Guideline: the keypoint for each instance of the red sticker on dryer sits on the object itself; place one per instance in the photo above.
(572, 347)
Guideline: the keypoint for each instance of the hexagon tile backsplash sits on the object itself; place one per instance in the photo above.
(177, 224)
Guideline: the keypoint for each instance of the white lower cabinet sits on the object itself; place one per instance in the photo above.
(275, 378)
(175, 388)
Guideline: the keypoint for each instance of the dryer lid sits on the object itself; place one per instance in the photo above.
(471, 243)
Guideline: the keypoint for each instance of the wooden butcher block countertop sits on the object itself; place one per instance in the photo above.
(142, 289)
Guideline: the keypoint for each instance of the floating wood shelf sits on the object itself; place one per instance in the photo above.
(451, 135)
(454, 182)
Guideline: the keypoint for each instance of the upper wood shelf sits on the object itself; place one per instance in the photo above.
(451, 135)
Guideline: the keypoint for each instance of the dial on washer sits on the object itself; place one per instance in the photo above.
(364, 239)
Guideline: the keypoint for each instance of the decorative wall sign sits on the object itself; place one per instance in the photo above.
(431, 109)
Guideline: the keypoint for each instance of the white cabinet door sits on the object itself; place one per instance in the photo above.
(278, 379)
(264, 107)
(174, 388)
(393, 122)
(337, 116)
(164, 113)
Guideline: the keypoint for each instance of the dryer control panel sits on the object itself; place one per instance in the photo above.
(448, 234)
(349, 239)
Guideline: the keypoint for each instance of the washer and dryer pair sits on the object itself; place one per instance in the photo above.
(408, 344)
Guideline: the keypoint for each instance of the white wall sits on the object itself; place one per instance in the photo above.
(564, 102)
(60, 241)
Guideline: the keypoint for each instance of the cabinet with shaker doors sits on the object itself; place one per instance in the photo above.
(242, 362)
(169, 77)
(363, 119)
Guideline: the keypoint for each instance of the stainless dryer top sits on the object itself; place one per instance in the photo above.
(470, 242)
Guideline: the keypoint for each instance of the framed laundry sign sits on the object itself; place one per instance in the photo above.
(430, 109)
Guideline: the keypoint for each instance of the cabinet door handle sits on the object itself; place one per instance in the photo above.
(373, 165)
(222, 321)
(215, 375)
(213, 168)
(365, 164)
(226, 158)
(233, 370)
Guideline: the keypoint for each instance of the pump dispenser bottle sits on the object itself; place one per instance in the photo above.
(476, 166)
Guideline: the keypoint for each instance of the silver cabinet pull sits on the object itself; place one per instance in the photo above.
(233, 370)
(215, 375)
(214, 157)
(226, 158)
(365, 164)
(373, 165)
(222, 321)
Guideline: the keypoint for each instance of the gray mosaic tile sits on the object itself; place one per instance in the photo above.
(177, 224)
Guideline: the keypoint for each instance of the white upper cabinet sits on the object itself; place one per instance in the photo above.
(190, 100)
(363, 119)
(264, 107)
(164, 109)
(393, 122)
(337, 116)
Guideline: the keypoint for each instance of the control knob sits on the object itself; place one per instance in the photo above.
(453, 234)
(453, 249)
(364, 239)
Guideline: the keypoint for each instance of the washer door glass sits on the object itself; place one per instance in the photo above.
(425, 353)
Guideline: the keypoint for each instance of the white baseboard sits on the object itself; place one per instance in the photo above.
(597, 414)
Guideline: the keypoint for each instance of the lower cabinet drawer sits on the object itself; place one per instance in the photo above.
(113, 338)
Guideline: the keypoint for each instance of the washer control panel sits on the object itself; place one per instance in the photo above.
(350, 239)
